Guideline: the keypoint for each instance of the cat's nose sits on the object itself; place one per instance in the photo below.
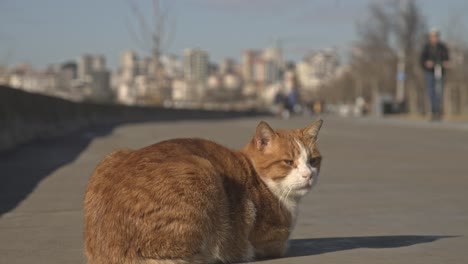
(307, 175)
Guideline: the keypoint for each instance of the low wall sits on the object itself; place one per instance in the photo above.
(25, 117)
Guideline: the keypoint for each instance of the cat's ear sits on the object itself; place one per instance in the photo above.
(263, 135)
(311, 132)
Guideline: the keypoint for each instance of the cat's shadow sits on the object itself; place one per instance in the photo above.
(316, 246)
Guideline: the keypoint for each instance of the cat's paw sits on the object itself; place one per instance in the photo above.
(249, 254)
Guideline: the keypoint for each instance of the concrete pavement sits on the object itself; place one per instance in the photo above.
(388, 192)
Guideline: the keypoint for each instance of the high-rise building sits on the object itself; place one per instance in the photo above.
(65, 74)
(196, 65)
(93, 77)
(128, 66)
(146, 67)
(172, 66)
(265, 71)
(273, 54)
(70, 69)
(306, 76)
(227, 66)
(100, 85)
(248, 61)
(262, 66)
(99, 63)
(317, 68)
(85, 66)
(129, 59)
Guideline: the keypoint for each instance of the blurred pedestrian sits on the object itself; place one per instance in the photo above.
(434, 61)
(292, 101)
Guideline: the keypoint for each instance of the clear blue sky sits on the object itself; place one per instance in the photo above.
(52, 31)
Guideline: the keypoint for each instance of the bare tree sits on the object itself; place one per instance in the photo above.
(386, 30)
(455, 27)
(373, 66)
(154, 34)
(457, 84)
(410, 31)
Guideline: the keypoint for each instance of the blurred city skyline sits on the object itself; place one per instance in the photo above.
(47, 32)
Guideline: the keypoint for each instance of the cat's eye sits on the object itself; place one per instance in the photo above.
(314, 160)
(289, 162)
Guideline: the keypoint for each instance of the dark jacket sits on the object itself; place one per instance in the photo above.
(437, 54)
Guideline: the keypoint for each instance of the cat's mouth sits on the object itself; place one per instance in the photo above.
(305, 186)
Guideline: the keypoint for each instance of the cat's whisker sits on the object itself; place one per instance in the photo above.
(281, 198)
(287, 194)
(284, 196)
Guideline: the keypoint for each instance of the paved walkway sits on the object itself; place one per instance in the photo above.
(389, 192)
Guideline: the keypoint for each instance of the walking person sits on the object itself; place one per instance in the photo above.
(434, 61)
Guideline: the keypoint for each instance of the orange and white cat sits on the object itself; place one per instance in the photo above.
(195, 201)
